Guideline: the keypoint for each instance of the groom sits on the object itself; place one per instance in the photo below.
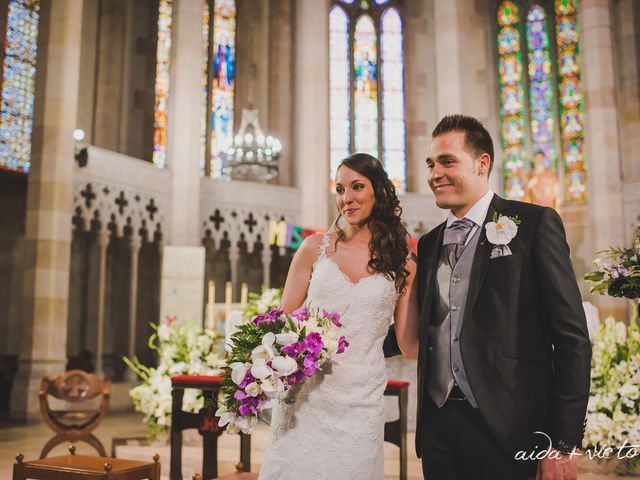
(504, 351)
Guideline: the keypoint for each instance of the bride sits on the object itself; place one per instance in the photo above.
(334, 429)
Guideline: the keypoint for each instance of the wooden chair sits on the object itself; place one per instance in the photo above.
(76, 425)
(396, 431)
(232, 476)
(207, 424)
(83, 467)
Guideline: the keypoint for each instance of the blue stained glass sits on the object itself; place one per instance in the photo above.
(509, 40)
(18, 85)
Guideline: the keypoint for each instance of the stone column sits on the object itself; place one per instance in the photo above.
(448, 48)
(266, 265)
(103, 244)
(311, 110)
(602, 133)
(49, 204)
(134, 245)
(280, 59)
(183, 122)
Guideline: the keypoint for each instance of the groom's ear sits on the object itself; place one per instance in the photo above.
(483, 163)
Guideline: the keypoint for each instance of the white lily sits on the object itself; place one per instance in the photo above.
(502, 231)
(284, 365)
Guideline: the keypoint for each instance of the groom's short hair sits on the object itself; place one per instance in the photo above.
(476, 137)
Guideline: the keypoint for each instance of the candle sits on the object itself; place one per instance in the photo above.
(244, 293)
(227, 300)
(211, 300)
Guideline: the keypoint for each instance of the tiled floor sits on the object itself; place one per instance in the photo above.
(30, 439)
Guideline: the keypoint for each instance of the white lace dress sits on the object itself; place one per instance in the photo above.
(335, 428)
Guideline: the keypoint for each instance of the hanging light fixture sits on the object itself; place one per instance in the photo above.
(253, 156)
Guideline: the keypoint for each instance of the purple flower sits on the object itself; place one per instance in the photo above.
(293, 349)
(310, 365)
(270, 317)
(248, 378)
(313, 343)
(240, 395)
(249, 405)
(296, 377)
(342, 344)
(301, 314)
(333, 316)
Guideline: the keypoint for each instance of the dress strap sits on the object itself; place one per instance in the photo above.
(325, 243)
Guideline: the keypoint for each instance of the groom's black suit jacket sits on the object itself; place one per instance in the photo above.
(524, 339)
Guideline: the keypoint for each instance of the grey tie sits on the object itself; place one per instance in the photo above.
(455, 236)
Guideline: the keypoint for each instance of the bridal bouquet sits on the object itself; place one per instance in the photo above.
(618, 272)
(269, 354)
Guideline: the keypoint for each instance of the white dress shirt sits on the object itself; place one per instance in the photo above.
(476, 214)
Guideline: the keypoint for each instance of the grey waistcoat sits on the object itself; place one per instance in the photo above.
(444, 365)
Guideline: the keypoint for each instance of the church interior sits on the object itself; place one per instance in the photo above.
(161, 160)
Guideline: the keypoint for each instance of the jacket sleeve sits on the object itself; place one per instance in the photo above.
(562, 307)
(390, 346)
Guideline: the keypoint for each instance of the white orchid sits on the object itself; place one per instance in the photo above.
(265, 349)
(284, 366)
(253, 389)
(286, 338)
(246, 424)
(273, 388)
(239, 371)
(501, 231)
(260, 369)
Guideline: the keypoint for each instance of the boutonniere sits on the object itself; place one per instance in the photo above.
(500, 232)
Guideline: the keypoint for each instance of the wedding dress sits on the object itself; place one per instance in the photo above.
(335, 428)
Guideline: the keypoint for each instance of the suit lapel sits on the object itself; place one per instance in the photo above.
(481, 256)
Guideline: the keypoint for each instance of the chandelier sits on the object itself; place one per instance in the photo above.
(252, 156)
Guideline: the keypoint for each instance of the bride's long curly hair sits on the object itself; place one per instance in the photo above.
(388, 249)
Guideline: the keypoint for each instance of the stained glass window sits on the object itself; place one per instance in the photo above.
(393, 128)
(367, 111)
(18, 83)
(541, 96)
(206, 14)
(163, 57)
(339, 87)
(222, 83)
(532, 125)
(365, 67)
(571, 101)
(511, 100)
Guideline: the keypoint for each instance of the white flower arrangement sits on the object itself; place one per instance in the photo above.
(613, 412)
(260, 304)
(183, 348)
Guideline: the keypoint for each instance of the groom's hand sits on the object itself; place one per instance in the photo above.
(557, 466)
